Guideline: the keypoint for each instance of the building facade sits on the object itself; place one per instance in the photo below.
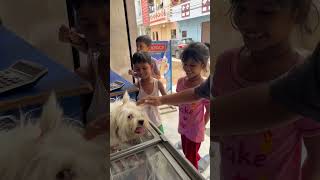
(192, 18)
(174, 19)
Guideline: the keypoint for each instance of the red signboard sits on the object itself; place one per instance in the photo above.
(158, 47)
(145, 12)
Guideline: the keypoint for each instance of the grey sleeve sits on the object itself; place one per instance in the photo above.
(204, 89)
(299, 90)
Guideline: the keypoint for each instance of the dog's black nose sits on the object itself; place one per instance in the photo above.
(140, 122)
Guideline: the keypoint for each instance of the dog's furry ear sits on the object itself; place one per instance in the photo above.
(125, 98)
(51, 114)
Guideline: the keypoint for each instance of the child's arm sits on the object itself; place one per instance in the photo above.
(248, 110)
(311, 166)
(207, 114)
(161, 88)
(67, 35)
(182, 97)
(79, 42)
(265, 107)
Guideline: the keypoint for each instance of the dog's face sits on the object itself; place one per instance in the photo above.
(131, 120)
(52, 150)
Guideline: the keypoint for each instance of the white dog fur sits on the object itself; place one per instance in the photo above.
(127, 121)
(50, 150)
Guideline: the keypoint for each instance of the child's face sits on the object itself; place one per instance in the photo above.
(192, 68)
(94, 24)
(142, 47)
(143, 70)
(263, 23)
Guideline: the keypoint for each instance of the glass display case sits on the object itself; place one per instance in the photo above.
(151, 157)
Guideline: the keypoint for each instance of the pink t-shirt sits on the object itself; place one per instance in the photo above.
(269, 155)
(191, 117)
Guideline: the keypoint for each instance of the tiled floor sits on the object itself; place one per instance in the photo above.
(170, 123)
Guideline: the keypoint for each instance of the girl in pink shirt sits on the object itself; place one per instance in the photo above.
(193, 117)
(274, 154)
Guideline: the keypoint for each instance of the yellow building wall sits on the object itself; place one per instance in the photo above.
(164, 30)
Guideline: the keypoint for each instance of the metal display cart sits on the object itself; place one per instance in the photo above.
(151, 157)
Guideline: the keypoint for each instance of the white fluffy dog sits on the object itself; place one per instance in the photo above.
(127, 121)
(50, 150)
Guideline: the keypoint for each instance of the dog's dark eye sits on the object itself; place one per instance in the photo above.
(130, 116)
(65, 174)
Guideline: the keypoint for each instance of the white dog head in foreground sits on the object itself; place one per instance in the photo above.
(127, 121)
(50, 150)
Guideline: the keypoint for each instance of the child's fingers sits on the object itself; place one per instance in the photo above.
(73, 30)
(75, 37)
(151, 100)
(64, 33)
(144, 101)
(140, 102)
(64, 29)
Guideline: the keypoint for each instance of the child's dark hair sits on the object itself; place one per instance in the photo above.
(197, 52)
(76, 4)
(304, 8)
(141, 57)
(144, 39)
(207, 44)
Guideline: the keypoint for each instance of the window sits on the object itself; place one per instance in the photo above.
(157, 37)
(153, 36)
(184, 34)
(173, 33)
(151, 6)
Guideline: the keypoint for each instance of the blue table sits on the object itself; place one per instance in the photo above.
(64, 82)
(131, 88)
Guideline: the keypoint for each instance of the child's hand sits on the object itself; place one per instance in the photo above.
(75, 37)
(64, 32)
(96, 127)
(69, 36)
(131, 72)
(150, 100)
